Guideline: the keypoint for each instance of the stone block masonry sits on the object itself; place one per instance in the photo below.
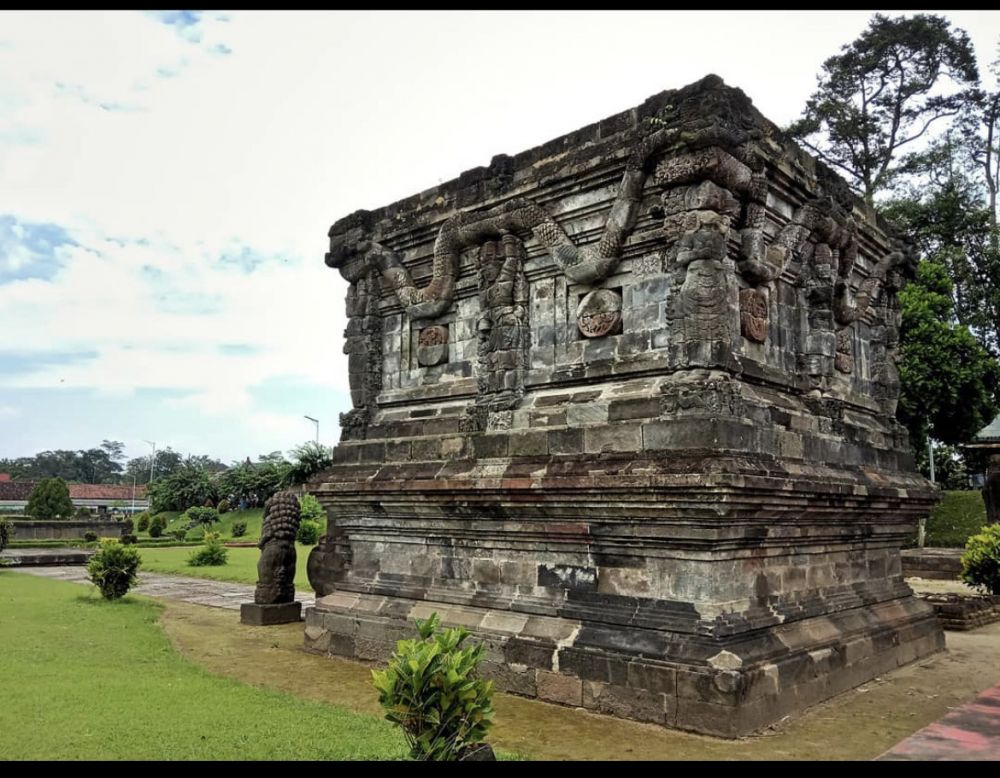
(624, 407)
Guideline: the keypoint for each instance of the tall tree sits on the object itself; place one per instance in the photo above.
(884, 92)
(950, 385)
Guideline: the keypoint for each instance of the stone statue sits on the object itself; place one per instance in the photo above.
(274, 597)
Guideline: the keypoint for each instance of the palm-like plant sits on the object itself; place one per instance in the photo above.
(308, 460)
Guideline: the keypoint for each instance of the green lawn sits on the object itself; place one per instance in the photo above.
(955, 518)
(242, 564)
(82, 678)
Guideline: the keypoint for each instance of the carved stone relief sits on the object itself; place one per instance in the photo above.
(599, 313)
(753, 314)
(432, 346)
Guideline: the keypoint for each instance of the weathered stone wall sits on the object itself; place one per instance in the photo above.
(638, 386)
(65, 529)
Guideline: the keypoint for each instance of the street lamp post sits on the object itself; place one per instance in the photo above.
(316, 422)
(152, 460)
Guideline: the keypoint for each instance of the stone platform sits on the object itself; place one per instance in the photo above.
(265, 615)
(624, 406)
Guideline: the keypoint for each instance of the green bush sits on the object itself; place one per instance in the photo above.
(203, 516)
(308, 534)
(310, 509)
(179, 534)
(127, 526)
(981, 560)
(156, 526)
(142, 522)
(213, 553)
(223, 506)
(83, 512)
(90, 537)
(113, 568)
(239, 529)
(431, 691)
(6, 532)
(49, 500)
(128, 538)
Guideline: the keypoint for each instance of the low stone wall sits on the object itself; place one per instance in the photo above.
(67, 529)
(942, 564)
(964, 611)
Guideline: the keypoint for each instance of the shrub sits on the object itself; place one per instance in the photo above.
(6, 532)
(128, 538)
(223, 506)
(83, 512)
(179, 534)
(308, 534)
(142, 524)
(211, 554)
(981, 560)
(156, 526)
(127, 526)
(196, 516)
(239, 529)
(50, 500)
(310, 509)
(90, 537)
(431, 691)
(113, 568)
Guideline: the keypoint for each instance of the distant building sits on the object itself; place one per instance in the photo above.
(100, 498)
(986, 442)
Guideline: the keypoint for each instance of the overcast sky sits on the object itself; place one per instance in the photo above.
(167, 180)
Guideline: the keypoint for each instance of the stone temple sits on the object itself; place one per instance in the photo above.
(624, 407)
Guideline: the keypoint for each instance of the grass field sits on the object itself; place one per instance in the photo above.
(241, 565)
(87, 679)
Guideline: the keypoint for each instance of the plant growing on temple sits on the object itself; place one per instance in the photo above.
(113, 568)
(50, 500)
(431, 691)
(981, 560)
(212, 554)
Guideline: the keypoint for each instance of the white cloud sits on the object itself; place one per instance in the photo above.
(197, 155)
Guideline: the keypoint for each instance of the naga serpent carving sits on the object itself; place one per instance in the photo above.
(584, 265)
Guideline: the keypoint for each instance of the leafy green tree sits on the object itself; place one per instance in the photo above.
(50, 500)
(168, 462)
(949, 383)
(948, 217)
(309, 460)
(182, 489)
(252, 484)
(884, 92)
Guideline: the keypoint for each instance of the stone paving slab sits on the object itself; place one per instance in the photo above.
(200, 591)
(970, 732)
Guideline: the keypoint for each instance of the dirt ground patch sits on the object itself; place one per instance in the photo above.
(859, 724)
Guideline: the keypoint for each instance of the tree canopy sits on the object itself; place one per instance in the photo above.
(884, 92)
(50, 500)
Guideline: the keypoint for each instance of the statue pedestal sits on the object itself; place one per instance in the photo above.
(267, 615)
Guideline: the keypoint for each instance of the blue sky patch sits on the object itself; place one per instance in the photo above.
(29, 249)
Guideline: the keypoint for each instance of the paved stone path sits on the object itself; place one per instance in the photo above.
(969, 732)
(200, 591)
